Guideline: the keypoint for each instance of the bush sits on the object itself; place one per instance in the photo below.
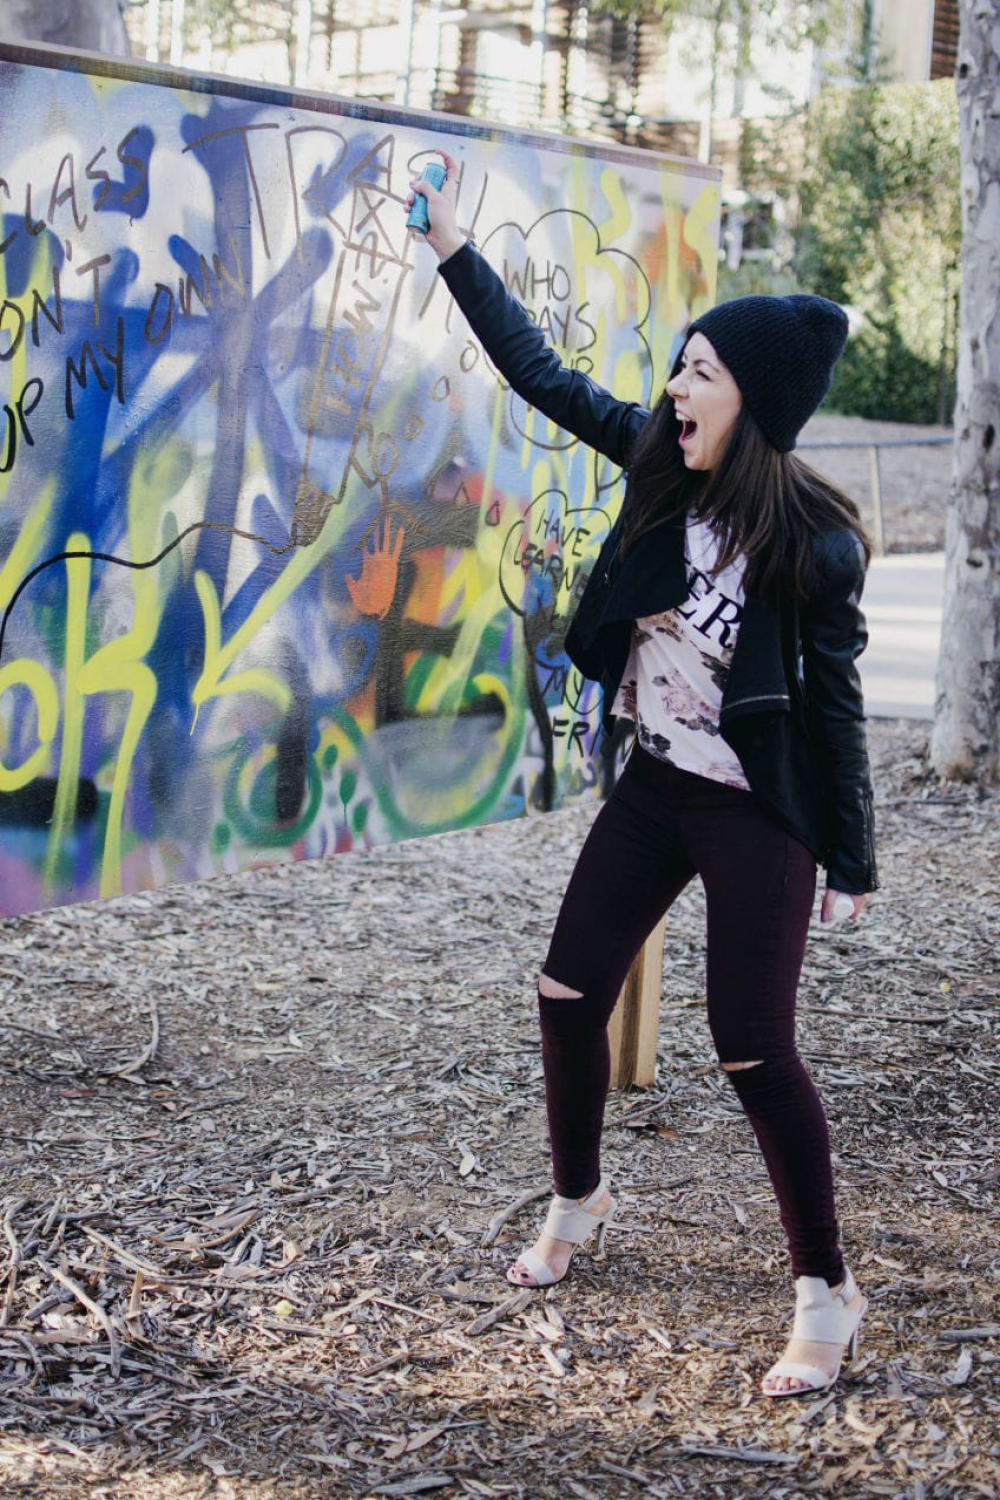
(755, 278)
(880, 230)
(879, 377)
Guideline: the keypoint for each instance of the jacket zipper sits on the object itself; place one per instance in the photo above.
(869, 807)
(757, 698)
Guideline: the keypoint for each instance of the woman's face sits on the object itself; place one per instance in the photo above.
(707, 401)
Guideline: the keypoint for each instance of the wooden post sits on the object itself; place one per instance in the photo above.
(634, 1024)
(879, 525)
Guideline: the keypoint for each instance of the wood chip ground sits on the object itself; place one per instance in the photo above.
(261, 1138)
(267, 1145)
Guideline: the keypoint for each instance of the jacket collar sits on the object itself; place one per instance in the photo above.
(649, 577)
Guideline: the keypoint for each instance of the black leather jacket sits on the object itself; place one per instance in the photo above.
(792, 707)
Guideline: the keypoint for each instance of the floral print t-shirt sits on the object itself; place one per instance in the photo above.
(678, 664)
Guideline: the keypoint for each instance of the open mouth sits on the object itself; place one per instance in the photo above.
(688, 430)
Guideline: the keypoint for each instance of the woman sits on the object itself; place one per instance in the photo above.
(722, 619)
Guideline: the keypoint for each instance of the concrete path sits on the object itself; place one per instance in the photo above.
(902, 603)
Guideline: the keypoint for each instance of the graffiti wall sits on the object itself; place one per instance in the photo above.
(285, 568)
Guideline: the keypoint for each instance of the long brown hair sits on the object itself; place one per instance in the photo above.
(766, 506)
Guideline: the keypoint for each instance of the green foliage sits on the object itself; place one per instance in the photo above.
(797, 21)
(755, 278)
(880, 230)
(735, 25)
(233, 23)
(881, 378)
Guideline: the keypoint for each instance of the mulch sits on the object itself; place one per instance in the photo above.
(269, 1142)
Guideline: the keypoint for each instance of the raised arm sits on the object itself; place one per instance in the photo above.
(517, 347)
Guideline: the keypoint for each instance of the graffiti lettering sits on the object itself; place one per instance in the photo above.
(321, 176)
(553, 280)
(45, 699)
(546, 293)
(551, 549)
(574, 730)
(188, 289)
(11, 314)
(6, 243)
(116, 667)
(38, 305)
(76, 371)
(352, 359)
(14, 319)
(67, 194)
(93, 268)
(284, 568)
(17, 429)
(219, 657)
(211, 287)
(557, 324)
(571, 539)
(160, 317)
(34, 227)
(553, 682)
(242, 133)
(64, 190)
(529, 557)
(572, 308)
(348, 364)
(134, 187)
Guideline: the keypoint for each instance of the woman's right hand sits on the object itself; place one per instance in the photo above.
(444, 235)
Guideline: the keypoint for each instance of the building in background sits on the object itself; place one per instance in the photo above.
(919, 38)
(549, 64)
(559, 65)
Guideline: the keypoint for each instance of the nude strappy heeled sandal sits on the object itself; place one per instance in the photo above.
(566, 1220)
(822, 1316)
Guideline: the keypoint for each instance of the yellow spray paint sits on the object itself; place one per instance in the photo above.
(32, 676)
(699, 225)
(78, 572)
(221, 656)
(23, 672)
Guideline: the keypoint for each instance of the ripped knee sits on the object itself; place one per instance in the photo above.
(740, 1067)
(551, 989)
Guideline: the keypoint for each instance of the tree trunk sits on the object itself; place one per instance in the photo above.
(95, 25)
(966, 737)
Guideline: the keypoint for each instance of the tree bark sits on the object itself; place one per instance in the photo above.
(965, 742)
(95, 25)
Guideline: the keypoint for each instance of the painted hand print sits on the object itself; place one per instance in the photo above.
(374, 591)
(284, 568)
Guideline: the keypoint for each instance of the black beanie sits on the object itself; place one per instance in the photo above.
(781, 352)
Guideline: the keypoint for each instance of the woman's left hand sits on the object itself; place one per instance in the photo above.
(830, 898)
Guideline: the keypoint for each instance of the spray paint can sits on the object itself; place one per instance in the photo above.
(435, 174)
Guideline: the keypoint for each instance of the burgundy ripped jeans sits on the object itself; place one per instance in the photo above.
(660, 828)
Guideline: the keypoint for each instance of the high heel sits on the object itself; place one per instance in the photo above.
(566, 1220)
(822, 1316)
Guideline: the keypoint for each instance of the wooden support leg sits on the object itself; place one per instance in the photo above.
(634, 1024)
